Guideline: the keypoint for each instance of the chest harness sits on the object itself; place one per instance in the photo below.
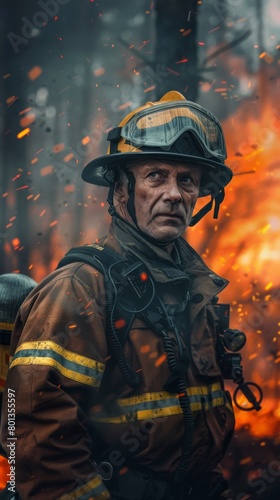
(131, 292)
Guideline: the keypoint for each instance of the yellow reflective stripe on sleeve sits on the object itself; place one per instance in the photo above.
(73, 366)
(94, 489)
(71, 356)
(44, 361)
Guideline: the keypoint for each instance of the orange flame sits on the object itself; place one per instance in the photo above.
(244, 248)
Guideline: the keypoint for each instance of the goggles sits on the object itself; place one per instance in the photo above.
(162, 125)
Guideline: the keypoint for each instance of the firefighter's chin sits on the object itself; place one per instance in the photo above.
(164, 229)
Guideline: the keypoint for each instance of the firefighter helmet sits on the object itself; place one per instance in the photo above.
(14, 288)
(169, 129)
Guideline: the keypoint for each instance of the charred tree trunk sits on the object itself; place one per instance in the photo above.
(176, 48)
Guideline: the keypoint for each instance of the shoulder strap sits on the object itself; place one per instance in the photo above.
(101, 258)
(118, 323)
(91, 254)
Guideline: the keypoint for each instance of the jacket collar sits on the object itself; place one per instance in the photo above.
(205, 284)
(183, 262)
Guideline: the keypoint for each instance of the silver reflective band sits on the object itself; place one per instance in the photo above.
(162, 125)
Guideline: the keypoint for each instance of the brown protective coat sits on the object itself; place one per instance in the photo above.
(56, 429)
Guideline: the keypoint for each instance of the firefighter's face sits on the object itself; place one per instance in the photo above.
(165, 196)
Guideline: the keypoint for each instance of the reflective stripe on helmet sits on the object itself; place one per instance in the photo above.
(162, 125)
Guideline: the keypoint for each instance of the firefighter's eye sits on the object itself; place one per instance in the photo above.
(186, 179)
(155, 174)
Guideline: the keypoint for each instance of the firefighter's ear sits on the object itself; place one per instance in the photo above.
(120, 191)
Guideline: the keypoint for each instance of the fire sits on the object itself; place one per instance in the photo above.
(4, 470)
(34, 73)
(267, 420)
(244, 248)
(23, 133)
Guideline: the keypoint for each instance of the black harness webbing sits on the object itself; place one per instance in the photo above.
(103, 259)
(93, 255)
(119, 319)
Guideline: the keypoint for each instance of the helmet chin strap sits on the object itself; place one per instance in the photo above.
(131, 209)
(204, 210)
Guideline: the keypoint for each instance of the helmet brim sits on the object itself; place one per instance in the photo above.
(215, 177)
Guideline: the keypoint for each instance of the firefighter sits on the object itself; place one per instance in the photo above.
(118, 391)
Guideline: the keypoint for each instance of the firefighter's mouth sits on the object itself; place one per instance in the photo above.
(170, 215)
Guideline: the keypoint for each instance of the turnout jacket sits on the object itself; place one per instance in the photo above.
(72, 411)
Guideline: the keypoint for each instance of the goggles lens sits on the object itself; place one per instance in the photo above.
(162, 125)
